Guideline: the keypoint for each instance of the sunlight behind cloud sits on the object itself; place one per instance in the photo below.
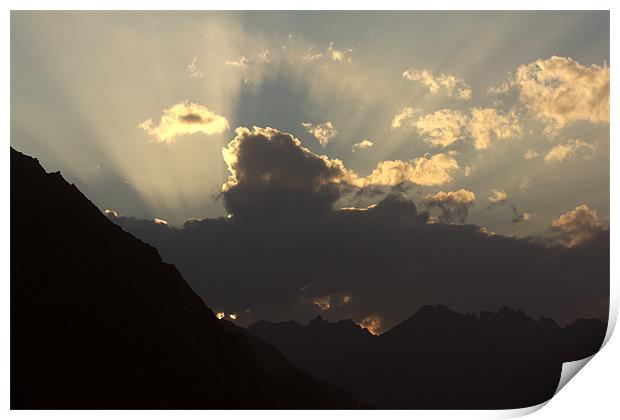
(256, 75)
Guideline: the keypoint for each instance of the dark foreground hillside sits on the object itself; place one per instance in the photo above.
(99, 321)
(439, 358)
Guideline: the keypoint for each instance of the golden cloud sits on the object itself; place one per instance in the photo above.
(324, 133)
(486, 124)
(182, 119)
(372, 323)
(192, 70)
(441, 128)
(447, 126)
(530, 154)
(498, 196)
(434, 170)
(405, 117)
(560, 90)
(447, 84)
(454, 205)
(577, 226)
(241, 63)
(332, 53)
(461, 196)
(110, 213)
(572, 150)
(364, 144)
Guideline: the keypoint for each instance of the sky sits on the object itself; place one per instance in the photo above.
(83, 83)
(494, 119)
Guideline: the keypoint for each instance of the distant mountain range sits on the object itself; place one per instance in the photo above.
(99, 321)
(439, 358)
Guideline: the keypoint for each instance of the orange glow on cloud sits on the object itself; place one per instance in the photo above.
(372, 324)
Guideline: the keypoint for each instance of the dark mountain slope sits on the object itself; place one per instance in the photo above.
(439, 358)
(334, 352)
(297, 386)
(99, 321)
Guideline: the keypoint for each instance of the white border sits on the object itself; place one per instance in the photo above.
(592, 394)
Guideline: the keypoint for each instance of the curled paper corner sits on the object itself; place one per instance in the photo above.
(569, 370)
(519, 412)
(611, 321)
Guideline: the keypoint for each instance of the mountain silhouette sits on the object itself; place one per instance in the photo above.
(439, 358)
(99, 321)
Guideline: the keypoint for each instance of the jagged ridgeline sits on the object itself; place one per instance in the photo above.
(439, 358)
(99, 321)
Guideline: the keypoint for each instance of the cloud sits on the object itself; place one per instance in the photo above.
(560, 90)
(273, 175)
(386, 258)
(571, 150)
(577, 226)
(405, 117)
(288, 251)
(111, 213)
(287, 234)
(182, 119)
(332, 54)
(487, 124)
(324, 133)
(454, 205)
(441, 128)
(530, 154)
(312, 55)
(445, 84)
(241, 63)
(244, 62)
(498, 197)
(520, 216)
(372, 323)
(524, 184)
(328, 302)
(364, 144)
(252, 67)
(264, 56)
(427, 170)
(338, 55)
(447, 126)
(192, 69)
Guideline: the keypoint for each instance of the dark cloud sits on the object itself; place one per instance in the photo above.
(387, 260)
(273, 176)
(289, 252)
(193, 118)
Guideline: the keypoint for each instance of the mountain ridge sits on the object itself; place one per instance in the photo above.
(440, 358)
(98, 320)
